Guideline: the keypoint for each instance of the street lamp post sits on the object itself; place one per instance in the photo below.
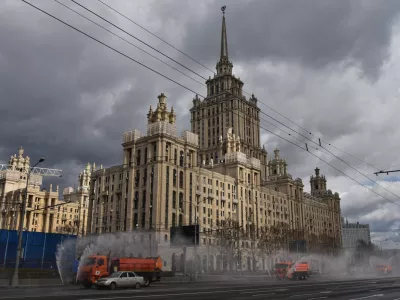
(14, 279)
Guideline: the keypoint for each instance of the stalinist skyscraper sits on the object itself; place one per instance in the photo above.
(226, 107)
(213, 176)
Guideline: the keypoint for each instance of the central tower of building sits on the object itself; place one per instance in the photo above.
(226, 110)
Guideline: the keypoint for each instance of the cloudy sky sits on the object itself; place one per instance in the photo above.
(330, 66)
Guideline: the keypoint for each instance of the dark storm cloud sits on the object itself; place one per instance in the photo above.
(313, 33)
(61, 92)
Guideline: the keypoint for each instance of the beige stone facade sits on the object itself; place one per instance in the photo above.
(78, 202)
(211, 176)
(44, 211)
(168, 182)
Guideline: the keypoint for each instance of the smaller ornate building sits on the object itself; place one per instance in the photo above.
(45, 212)
(79, 198)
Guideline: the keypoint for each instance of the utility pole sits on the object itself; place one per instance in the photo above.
(387, 172)
(39, 171)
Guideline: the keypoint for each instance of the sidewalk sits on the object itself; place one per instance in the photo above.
(32, 283)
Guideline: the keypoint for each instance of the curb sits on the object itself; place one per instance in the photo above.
(4, 287)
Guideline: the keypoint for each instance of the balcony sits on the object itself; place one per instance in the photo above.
(235, 200)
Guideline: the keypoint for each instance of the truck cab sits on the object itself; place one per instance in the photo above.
(281, 269)
(91, 269)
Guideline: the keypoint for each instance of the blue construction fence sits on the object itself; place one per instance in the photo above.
(38, 249)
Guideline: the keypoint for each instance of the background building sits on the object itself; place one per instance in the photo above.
(352, 233)
(79, 201)
(44, 211)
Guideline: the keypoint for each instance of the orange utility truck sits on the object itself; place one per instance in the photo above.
(291, 270)
(99, 266)
(383, 269)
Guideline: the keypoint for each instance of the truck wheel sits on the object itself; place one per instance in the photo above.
(113, 285)
(137, 285)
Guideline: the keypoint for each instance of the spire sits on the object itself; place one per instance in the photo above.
(224, 41)
(224, 66)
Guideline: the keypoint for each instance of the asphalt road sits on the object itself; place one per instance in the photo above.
(370, 289)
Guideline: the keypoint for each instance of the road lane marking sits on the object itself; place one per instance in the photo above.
(316, 293)
(257, 295)
(257, 290)
(377, 295)
(293, 296)
(162, 295)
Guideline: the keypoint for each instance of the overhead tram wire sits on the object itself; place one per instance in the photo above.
(104, 44)
(309, 132)
(136, 38)
(334, 155)
(249, 94)
(153, 34)
(153, 56)
(183, 86)
(320, 145)
(321, 159)
(204, 85)
(144, 50)
(266, 105)
(125, 40)
(159, 59)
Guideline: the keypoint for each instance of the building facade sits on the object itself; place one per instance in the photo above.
(214, 175)
(44, 211)
(79, 198)
(352, 233)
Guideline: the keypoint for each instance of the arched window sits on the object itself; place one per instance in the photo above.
(173, 220)
(180, 220)
(174, 178)
(174, 200)
(181, 180)
(138, 154)
(181, 157)
(175, 157)
(181, 200)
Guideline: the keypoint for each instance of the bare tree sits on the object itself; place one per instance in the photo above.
(252, 241)
(268, 243)
(68, 229)
(228, 237)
